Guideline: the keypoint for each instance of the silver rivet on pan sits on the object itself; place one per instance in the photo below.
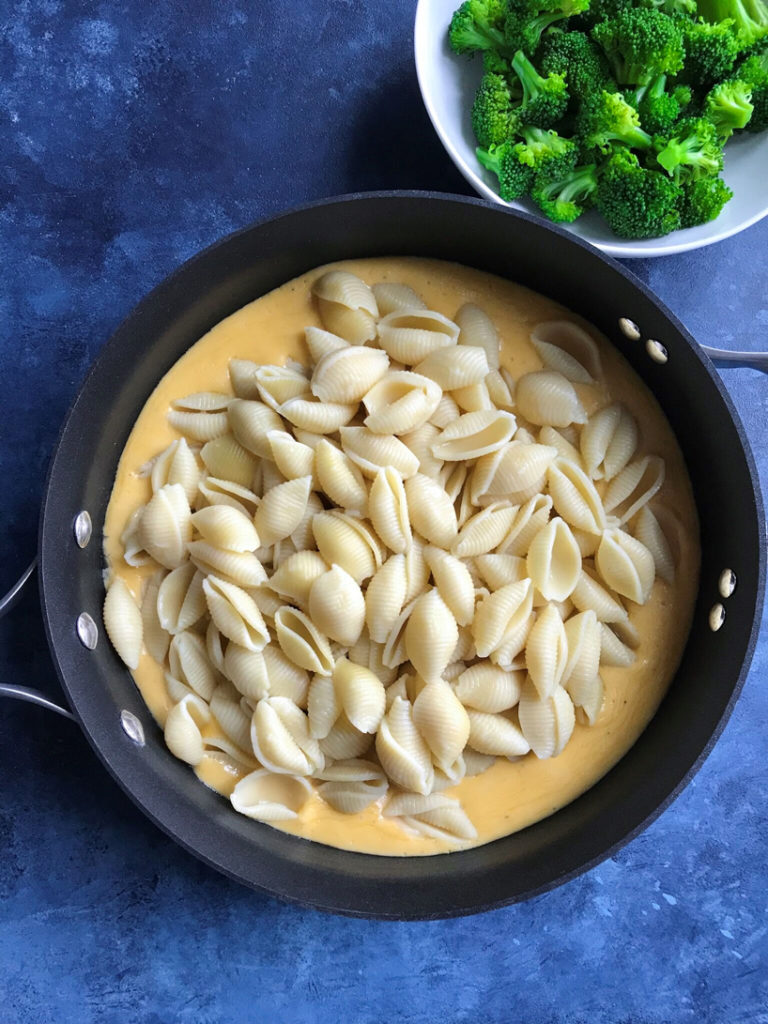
(727, 582)
(87, 631)
(629, 328)
(656, 351)
(132, 727)
(716, 617)
(83, 529)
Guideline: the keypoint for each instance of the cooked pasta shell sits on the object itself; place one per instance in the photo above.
(589, 594)
(587, 695)
(484, 531)
(626, 565)
(394, 652)
(529, 519)
(547, 397)
(554, 561)
(337, 606)
(456, 366)
(360, 694)
(188, 660)
(247, 671)
(233, 716)
(400, 402)
(281, 739)
(453, 478)
(165, 526)
(473, 397)
(177, 691)
(180, 601)
(547, 723)
(420, 442)
(453, 582)
(214, 647)
(613, 652)
(285, 678)
(574, 497)
(267, 476)
(353, 797)
(372, 452)
(516, 472)
(416, 569)
(436, 816)
(546, 652)
(242, 377)
(565, 450)
(278, 384)
(499, 391)
(442, 721)
(648, 531)
(183, 729)
(200, 424)
(294, 578)
(346, 375)
(340, 478)
(431, 510)
(281, 509)
(291, 457)
(130, 538)
(264, 796)
(402, 751)
(497, 735)
(501, 614)
(477, 329)
(176, 465)
(223, 492)
(486, 687)
(235, 613)
(226, 527)
(123, 622)
(267, 602)
(347, 306)
(634, 487)
(320, 343)
(388, 510)
(323, 706)
(476, 763)
(582, 633)
(344, 741)
(409, 335)
(430, 635)
(240, 567)
(348, 542)
(156, 639)
(446, 412)
(302, 642)
(608, 441)
(226, 459)
(302, 537)
(474, 434)
(587, 542)
(385, 597)
(251, 422)
(391, 296)
(317, 417)
(499, 570)
(567, 348)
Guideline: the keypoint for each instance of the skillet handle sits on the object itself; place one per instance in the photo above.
(25, 692)
(724, 359)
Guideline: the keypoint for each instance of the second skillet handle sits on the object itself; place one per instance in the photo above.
(25, 692)
(725, 359)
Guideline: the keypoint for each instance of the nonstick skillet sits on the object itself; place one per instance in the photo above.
(223, 278)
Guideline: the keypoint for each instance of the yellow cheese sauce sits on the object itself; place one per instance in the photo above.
(508, 796)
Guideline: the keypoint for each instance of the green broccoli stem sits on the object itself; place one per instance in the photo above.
(574, 187)
(530, 79)
(491, 161)
(688, 152)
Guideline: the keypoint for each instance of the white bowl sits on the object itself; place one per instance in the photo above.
(448, 84)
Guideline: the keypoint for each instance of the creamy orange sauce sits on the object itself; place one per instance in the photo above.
(508, 796)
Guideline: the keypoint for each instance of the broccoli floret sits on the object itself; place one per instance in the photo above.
(574, 55)
(527, 19)
(702, 201)
(601, 10)
(729, 106)
(694, 151)
(750, 17)
(637, 202)
(564, 198)
(515, 177)
(710, 52)
(754, 71)
(641, 43)
(477, 25)
(544, 99)
(659, 109)
(492, 111)
(674, 8)
(542, 150)
(496, 62)
(606, 118)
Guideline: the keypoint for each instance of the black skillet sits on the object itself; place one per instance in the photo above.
(244, 266)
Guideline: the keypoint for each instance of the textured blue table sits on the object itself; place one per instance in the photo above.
(129, 141)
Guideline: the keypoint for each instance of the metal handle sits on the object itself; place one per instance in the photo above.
(724, 358)
(25, 692)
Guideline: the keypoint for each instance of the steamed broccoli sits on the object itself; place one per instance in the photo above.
(606, 118)
(565, 197)
(574, 55)
(710, 51)
(694, 151)
(754, 71)
(492, 110)
(659, 109)
(544, 99)
(527, 19)
(702, 200)
(516, 163)
(515, 177)
(477, 25)
(637, 202)
(729, 106)
(750, 17)
(674, 8)
(640, 44)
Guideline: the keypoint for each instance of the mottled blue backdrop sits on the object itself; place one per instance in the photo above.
(133, 134)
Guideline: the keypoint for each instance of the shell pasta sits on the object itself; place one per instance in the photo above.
(418, 557)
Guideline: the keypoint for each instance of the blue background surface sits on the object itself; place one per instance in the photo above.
(131, 136)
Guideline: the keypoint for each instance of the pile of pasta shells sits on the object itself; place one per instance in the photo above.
(381, 571)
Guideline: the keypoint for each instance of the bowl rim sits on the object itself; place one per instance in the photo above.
(620, 249)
